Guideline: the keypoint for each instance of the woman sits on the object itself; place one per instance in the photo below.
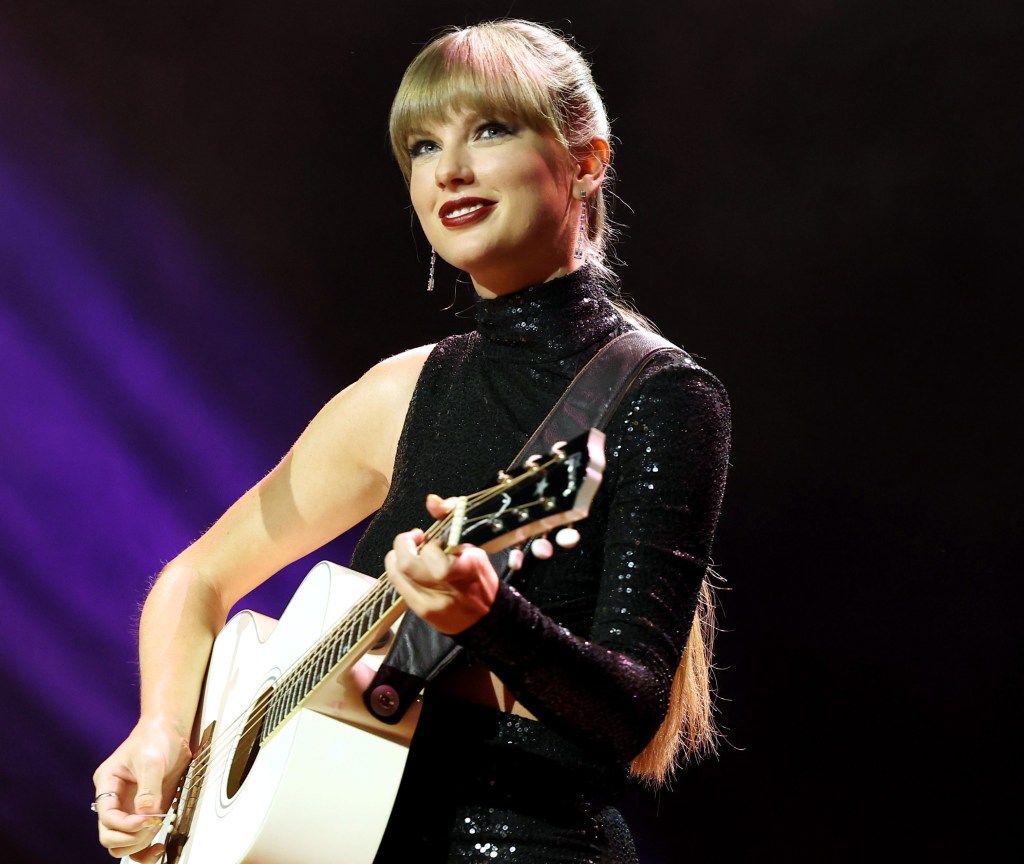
(591, 664)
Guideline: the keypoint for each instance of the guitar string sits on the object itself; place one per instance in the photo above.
(225, 743)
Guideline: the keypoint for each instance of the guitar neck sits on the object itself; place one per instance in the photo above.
(336, 651)
(355, 634)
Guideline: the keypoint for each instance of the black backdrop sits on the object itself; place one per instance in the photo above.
(818, 199)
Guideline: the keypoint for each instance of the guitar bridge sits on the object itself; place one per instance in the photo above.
(187, 798)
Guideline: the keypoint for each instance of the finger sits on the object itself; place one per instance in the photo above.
(149, 789)
(439, 507)
(417, 576)
(409, 542)
(120, 828)
(130, 841)
(108, 795)
(150, 855)
(406, 550)
(397, 565)
(456, 552)
(434, 563)
(475, 578)
(147, 800)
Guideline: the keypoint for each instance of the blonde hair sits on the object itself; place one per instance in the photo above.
(516, 68)
(688, 731)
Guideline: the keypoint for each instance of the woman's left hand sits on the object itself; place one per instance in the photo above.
(449, 590)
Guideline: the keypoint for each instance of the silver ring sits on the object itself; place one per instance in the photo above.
(97, 798)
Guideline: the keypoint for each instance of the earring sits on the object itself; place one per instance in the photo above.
(433, 261)
(581, 232)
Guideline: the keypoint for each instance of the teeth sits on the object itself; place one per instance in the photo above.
(462, 211)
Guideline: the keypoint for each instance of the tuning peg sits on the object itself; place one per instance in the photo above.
(541, 548)
(515, 559)
(567, 538)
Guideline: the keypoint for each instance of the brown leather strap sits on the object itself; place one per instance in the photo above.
(419, 652)
(596, 392)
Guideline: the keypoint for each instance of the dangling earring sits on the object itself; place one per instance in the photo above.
(581, 233)
(433, 261)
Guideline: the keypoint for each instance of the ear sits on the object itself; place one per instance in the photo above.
(591, 164)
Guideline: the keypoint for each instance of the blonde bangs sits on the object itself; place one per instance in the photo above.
(469, 71)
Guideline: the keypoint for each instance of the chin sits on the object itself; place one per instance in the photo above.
(473, 261)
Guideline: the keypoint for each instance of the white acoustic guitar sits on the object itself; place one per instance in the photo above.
(290, 766)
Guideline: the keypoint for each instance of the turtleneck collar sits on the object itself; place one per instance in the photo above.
(552, 320)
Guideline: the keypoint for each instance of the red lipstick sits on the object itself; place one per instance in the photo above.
(452, 215)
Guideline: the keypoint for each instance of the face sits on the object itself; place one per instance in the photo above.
(495, 199)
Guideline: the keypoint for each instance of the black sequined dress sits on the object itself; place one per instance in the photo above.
(589, 640)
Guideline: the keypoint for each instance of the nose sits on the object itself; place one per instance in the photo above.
(453, 168)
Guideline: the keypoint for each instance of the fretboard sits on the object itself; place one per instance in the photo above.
(328, 654)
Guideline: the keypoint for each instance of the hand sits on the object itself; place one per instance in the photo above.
(143, 774)
(450, 591)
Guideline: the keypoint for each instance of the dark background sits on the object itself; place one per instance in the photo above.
(204, 238)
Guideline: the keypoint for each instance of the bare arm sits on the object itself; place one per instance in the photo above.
(337, 473)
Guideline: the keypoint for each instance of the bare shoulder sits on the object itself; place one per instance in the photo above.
(336, 473)
(364, 421)
(394, 377)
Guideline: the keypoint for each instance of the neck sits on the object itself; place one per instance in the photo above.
(502, 282)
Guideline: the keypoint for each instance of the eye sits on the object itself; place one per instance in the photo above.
(492, 129)
(422, 147)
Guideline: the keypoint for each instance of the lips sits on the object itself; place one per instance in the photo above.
(464, 211)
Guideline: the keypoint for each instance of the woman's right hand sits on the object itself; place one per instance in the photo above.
(135, 782)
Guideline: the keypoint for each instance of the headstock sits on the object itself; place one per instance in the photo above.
(547, 492)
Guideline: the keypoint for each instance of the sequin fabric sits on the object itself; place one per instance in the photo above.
(589, 640)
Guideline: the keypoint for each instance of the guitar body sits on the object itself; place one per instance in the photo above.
(321, 788)
(290, 766)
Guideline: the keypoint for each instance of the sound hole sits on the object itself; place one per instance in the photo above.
(248, 746)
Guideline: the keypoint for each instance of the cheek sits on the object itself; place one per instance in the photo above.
(550, 199)
(418, 195)
(534, 173)
(421, 189)
(551, 182)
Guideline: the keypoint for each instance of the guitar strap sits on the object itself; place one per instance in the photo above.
(419, 652)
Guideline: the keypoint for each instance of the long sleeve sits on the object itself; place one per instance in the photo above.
(589, 642)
